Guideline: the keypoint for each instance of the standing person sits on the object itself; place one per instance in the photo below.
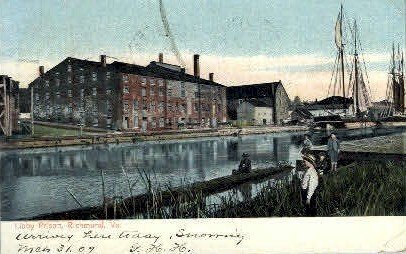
(309, 185)
(333, 147)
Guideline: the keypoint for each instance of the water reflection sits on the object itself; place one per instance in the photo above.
(35, 181)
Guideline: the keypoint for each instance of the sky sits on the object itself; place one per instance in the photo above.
(241, 41)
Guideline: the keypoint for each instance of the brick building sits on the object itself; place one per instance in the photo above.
(9, 105)
(270, 95)
(127, 96)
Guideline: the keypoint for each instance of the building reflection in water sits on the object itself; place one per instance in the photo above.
(170, 162)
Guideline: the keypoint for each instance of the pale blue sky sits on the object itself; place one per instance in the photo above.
(51, 30)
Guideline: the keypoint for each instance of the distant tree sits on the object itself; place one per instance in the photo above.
(297, 101)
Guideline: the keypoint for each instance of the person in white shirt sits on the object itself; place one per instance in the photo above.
(309, 184)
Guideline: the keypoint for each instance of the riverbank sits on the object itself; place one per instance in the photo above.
(128, 137)
(359, 189)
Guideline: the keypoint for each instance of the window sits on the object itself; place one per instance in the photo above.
(182, 89)
(107, 75)
(161, 106)
(125, 78)
(94, 76)
(58, 94)
(143, 92)
(126, 106)
(47, 83)
(169, 92)
(69, 68)
(196, 107)
(151, 82)
(143, 81)
(144, 105)
(196, 94)
(109, 106)
(81, 79)
(69, 79)
(161, 91)
(161, 122)
(135, 104)
(57, 82)
(182, 108)
(94, 91)
(82, 93)
(108, 91)
(152, 106)
(126, 89)
(69, 93)
(153, 122)
(160, 82)
(46, 97)
(151, 91)
(169, 107)
(36, 96)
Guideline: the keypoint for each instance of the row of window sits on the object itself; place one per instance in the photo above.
(161, 91)
(152, 82)
(81, 79)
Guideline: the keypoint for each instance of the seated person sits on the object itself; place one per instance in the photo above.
(245, 164)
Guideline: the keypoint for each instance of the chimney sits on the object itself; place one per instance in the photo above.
(103, 60)
(196, 66)
(41, 71)
(161, 57)
(211, 76)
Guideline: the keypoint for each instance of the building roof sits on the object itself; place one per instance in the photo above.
(154, 69)
(161, 70)
(333, 102)
(252, 90)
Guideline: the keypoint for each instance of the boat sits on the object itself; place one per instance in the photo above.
(394, 109)
(349, 85)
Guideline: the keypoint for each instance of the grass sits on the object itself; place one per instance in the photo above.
(360, 189)
(41, 130)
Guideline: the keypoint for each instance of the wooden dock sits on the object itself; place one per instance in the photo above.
(376, 148)
(142, 202)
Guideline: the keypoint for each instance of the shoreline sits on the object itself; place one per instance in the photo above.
(109, 138)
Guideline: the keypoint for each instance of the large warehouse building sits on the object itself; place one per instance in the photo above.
(127, 96)
(271, 97)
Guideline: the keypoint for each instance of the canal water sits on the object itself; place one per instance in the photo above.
(36, 181)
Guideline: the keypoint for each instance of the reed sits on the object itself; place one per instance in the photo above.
(358, 189)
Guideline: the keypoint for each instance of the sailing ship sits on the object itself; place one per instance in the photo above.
(358, 85)
(395, 91)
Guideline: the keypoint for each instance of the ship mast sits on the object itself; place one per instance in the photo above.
(356, 87)
(394, 83)
(342, 57)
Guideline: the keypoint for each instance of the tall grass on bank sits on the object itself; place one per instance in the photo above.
(360, 189)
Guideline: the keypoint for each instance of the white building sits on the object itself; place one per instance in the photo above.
(254, 112)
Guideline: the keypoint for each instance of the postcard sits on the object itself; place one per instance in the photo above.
(158, 126)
